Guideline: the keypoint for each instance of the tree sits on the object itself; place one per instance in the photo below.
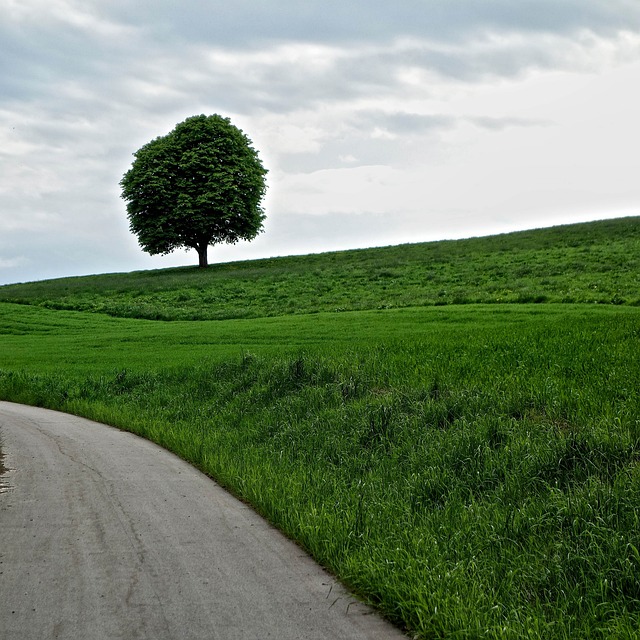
(200, 185)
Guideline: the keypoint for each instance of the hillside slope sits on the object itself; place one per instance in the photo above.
(597, 262)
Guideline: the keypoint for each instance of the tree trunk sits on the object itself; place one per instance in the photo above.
(203, 262)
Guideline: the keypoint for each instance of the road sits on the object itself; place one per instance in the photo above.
(104, 535)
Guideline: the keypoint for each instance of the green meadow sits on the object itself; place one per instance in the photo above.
(585, 263)
(452, 428)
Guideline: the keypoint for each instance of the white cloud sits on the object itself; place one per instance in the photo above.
(11, 263)
(463, 116)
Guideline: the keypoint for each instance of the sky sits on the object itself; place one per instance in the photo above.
(380, 123)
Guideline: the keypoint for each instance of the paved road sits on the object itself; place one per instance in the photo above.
(104, 535)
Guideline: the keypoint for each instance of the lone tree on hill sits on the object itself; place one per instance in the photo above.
(202, 184)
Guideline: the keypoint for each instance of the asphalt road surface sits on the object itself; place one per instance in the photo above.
(104, 535)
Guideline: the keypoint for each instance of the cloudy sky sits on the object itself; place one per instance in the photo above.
(380, 122)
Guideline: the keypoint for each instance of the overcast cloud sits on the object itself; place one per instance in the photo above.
(380, 123)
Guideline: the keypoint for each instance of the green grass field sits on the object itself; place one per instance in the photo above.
(585, 263)
(470, 469)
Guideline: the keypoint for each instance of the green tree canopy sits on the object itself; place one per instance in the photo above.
(200, 185)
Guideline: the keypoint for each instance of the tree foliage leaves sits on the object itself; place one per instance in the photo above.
(200, 185)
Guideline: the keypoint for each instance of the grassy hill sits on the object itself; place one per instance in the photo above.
(470, 469)
(597, 262)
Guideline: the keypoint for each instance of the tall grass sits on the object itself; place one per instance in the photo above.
(472, 471)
